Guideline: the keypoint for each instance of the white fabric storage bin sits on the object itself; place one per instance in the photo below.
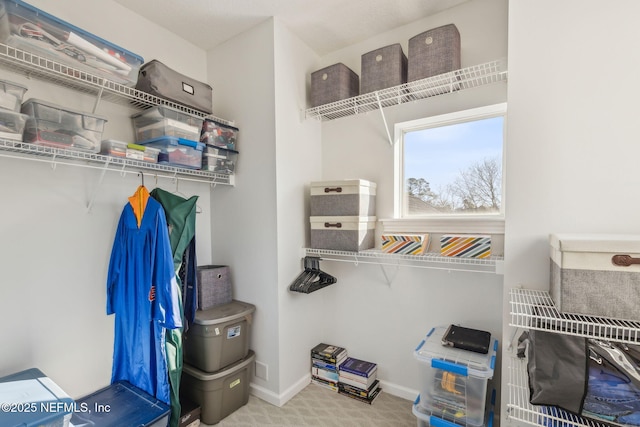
(353, 197)
(588, 275)
(343, 233)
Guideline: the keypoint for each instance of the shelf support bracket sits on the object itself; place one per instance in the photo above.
(386, 276)
(384, 118)
(98, 97)
(95, 190)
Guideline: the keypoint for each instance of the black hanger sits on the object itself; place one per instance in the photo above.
(312, 278)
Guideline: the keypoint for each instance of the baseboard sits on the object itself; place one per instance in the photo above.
(399, 391)
(281, 399)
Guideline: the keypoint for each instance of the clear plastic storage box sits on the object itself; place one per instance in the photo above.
(454, 381)
(112, 147)
(57, 126)
(11, 95)
(28, 28)
(220, 160)
(177, 151)
(12, 124)
(31, 399)
(164, 121)
(219, 134)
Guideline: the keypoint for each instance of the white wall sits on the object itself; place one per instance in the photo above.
(385, 322)
(53, 254)
(573, 154)
(244, 217)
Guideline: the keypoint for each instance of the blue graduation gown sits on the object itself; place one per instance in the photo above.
(141, 257)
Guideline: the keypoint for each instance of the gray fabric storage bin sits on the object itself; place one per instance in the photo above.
(214, 286)
(333, 83)
(382, 68)
(355, 197)
(343, 233)
(157, 79)
(219, 336)
(434, 52)
(585, 280)
(218, 394)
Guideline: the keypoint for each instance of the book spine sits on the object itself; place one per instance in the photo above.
(357, 384)
(369, 400)
(366, 373)
(357, 377)
(324, 365)
(326, 384)
(324, 374)
(358, 391)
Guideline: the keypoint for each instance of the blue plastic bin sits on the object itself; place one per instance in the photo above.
(118, 405)
(31, 399)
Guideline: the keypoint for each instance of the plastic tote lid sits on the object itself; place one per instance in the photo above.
(432, 352)
(224, 313)
(589, 242)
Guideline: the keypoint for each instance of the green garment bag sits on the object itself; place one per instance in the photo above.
(181, 220)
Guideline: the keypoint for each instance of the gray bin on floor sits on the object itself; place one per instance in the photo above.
(219, 336)
(221, 393)
(434, 52)
(382, 68)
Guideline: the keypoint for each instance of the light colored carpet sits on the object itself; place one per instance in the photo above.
(320, 407)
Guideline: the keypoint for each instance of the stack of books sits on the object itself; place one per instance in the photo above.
(358, 380)
(325, 360)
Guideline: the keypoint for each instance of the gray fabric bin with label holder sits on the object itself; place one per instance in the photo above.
(333, 83)
(434, 52)
(383, 68)
(221, 393)
(343, 233)
(589, 275)
(219, 336)
(355, 197)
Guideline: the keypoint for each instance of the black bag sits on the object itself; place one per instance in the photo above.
(157, 79)
(591, 378)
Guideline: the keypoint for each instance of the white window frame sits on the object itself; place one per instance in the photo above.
(467, 223)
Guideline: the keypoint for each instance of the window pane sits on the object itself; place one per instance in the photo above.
(454, 169)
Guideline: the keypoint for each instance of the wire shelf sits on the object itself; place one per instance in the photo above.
(63, 75)
(430, 260)
(454, 81)
(534, 309)
(519, 408)
(33, 152)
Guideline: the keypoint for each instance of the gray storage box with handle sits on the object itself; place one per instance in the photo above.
(157, 79)
(596, 274)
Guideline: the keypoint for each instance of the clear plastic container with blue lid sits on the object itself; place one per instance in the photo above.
(178, 152)
(454, 381)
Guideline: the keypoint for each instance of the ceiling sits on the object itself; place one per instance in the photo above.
(324, 25)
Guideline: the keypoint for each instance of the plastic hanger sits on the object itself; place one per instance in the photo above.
(179, 193)
(312, 278)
